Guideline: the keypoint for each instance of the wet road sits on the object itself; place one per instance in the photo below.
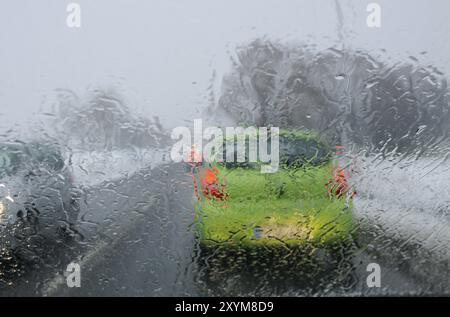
(138, 240)
(146, 245)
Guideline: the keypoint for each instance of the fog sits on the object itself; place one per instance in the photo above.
(108, 93)
(166, 57)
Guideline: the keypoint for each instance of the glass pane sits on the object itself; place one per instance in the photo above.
(224, 148)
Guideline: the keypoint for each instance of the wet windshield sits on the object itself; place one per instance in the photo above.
(225, 148)
(9, 160)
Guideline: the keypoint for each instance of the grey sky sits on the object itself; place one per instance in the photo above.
(161, 53)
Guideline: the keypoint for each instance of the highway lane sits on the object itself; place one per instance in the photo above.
(153, 252)
(137, 240)
(144, 245)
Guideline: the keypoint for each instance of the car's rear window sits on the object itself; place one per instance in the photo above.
(13, 157)
(297, 149)
(46, 155)
(9, 160)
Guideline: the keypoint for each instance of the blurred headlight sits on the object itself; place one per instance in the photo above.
(3, 191)
(2, 209)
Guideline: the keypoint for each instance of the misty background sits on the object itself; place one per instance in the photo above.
(167, 58)
(112, 88)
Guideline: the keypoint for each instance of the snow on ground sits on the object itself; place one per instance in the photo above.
(91, 168)
(409, 200)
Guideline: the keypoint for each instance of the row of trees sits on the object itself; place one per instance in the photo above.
(349, 97)
(103, 121)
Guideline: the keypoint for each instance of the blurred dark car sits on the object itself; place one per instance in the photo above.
(38, 201)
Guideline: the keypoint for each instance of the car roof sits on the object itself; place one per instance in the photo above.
(33, 152)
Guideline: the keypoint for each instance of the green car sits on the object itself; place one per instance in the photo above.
(38, 199)
(293, 206)
(295, 224)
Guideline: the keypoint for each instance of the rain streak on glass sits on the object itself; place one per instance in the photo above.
(86, 176)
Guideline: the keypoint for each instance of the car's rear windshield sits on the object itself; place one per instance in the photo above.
(15, 156)
(10, 160)
(45, 155)
(296, 149)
